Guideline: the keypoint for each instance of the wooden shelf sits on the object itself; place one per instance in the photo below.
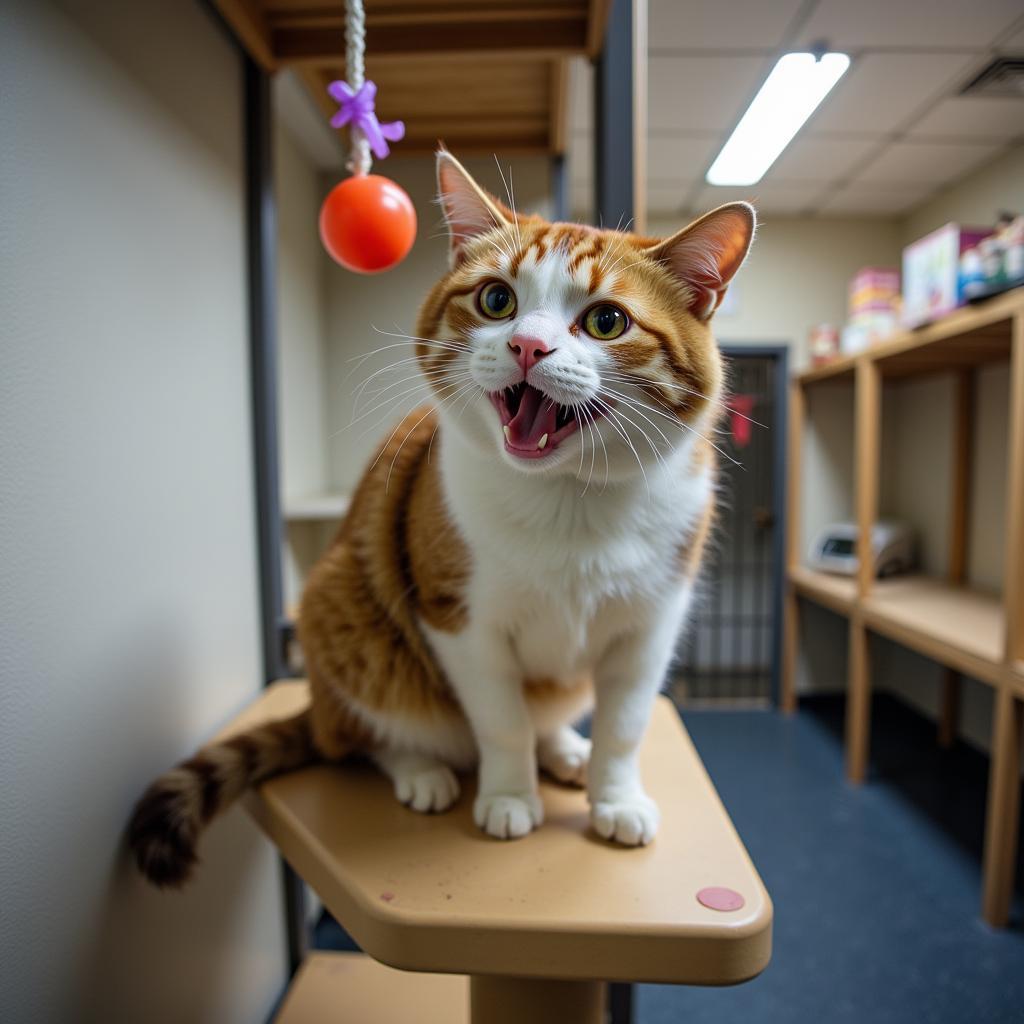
(968, 337)
(958, 627)
(835, 369)
(484, 77)
(833, 591)
(955, 626)
(351, 988)
(316, 508)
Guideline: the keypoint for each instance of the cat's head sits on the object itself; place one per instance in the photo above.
(575, 350)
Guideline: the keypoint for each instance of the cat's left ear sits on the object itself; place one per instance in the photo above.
(468, 209)
(705, 255)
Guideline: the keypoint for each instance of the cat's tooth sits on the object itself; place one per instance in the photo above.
(542, 442)
(508, 434)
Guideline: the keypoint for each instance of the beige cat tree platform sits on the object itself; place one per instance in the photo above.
(539, 925)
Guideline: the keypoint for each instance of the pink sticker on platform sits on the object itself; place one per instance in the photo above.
(717, 897)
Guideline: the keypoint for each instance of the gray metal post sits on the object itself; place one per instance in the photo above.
(261, 232)
(559, 189)
(614, 187)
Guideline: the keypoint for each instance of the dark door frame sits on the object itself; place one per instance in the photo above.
(779, 352)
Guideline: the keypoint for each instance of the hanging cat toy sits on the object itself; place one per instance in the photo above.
(367, 222)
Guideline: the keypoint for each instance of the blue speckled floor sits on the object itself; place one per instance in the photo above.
(876, 889)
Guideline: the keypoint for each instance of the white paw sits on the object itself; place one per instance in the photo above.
(631, 820)
(508, 815)
(427, 789)
(565, 756)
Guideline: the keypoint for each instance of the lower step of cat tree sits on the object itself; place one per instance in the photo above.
(351, 988)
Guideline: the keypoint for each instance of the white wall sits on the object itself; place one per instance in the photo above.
(389, 302)
(973, 200)
(797, 276)
(128, 591)
(301, 307)
(302, 350)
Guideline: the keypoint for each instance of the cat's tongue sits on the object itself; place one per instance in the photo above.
(534, 418)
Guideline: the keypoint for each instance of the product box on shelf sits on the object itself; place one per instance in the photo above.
(874, 303)
(868, 329)
(874, 290)
(931, 273)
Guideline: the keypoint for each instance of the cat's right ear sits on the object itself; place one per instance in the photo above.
(468, 209)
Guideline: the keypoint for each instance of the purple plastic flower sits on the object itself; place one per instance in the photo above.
(357, 109)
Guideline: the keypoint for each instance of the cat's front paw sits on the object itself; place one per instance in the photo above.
(508, 815)
(631, 820)
(565, 755)
(426, 789)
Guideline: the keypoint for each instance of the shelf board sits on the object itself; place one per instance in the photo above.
(1016, 678)
(316, 508)
(838, 593)
(953, 625)
(835, 369)
(976, 334)
(352, 988)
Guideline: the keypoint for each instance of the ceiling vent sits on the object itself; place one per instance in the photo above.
(1003, 77)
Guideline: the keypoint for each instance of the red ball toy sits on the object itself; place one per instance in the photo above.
(368, 223)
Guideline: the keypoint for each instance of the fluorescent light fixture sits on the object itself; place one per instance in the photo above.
(790, 94)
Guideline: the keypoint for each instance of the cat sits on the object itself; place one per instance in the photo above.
(520, 553)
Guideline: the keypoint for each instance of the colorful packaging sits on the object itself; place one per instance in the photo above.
(873, 290)
(996, 263)
(931, 273)
(823, 344)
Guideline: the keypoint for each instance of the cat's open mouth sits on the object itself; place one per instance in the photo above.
(534, 424)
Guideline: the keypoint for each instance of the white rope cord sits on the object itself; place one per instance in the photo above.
(359, 160)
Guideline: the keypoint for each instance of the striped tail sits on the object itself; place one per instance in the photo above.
(169, 817)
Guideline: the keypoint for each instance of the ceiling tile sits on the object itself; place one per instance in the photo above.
(863, 200)
(882, 90)
(882, 23)
(719, 24)
(581, 95)
(811, 158)
(701, 94)
(680, 156)
(780, 198)
(934, 162)
(973, 117)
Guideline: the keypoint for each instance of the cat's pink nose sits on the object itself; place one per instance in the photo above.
(528, 351)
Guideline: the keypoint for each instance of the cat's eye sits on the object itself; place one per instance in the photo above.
(497, 300)
(605, 321)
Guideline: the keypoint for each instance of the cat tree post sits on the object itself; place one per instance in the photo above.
(540, 924)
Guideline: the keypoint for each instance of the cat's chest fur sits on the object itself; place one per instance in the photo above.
(563, 574)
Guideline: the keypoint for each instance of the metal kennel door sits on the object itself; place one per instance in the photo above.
(731, 651)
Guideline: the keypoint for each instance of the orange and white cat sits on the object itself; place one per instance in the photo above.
(520, 553)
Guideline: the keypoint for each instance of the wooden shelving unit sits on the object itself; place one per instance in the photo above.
(968, 631)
